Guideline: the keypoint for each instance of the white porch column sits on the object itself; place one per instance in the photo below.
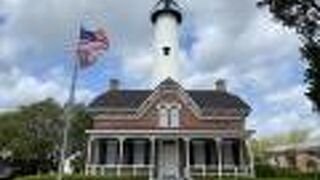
(241, 159)
(252, 173)
(120, 160)
(187, 146)
(96, 153)
(89, 154)
(152, 158)
(219, 150)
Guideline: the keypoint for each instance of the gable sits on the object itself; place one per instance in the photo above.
(169, 92)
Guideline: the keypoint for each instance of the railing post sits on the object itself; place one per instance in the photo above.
(235, 171)
(134, 170)
(203, 170)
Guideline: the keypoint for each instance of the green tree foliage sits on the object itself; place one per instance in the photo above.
(262, 145)
(304, 17)
(34, 132)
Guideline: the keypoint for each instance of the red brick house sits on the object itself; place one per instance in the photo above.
(169, 132)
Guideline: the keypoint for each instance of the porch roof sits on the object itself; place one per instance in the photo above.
(171, 133)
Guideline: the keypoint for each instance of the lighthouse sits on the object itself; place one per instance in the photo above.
(166, 18)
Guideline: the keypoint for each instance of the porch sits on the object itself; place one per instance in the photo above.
(177, 157)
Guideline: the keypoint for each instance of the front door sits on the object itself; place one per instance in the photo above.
(168, 160)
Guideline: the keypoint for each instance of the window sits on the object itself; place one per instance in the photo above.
(169, 115)
(198, 152)
(111, 152)
(174, 117)
(163, 113)
(139, 151)
(166, 50)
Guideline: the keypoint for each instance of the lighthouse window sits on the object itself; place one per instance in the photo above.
(166, 51)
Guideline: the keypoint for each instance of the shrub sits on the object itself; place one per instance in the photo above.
(267, 171)
(81, 177)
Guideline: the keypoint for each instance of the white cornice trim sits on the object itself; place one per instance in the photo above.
(102, 109)
(213, 118)
(134, 117)
(169, 133)
(164, 131)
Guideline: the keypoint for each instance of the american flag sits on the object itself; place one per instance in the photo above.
(91, 44)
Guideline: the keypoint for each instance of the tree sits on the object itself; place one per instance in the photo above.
(304, 17)
(33, 133)
(261, 145)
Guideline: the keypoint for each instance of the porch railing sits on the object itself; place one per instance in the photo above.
(123, 169)
(213, 170)
(149, 170)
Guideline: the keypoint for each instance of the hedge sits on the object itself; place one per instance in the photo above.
(81, 177)
(248, 178)
(266, 171)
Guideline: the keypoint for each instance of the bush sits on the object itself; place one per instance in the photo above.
(81, 177)
(248, 178)
(267, 171)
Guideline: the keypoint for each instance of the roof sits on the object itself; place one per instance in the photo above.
(134, 98)
(121, 99)
(305, 146)
(166, 7)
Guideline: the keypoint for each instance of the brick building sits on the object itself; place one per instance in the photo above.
(169, 132)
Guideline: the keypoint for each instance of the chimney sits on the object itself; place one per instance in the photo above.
(114, 84)
(221, 85)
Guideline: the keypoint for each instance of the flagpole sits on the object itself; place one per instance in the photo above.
(67, 114)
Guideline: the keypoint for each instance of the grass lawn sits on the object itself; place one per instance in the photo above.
(81, 177)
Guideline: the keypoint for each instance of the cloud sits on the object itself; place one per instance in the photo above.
(19, 89)
(228, 39)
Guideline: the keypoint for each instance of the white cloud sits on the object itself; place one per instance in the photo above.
(20, 89)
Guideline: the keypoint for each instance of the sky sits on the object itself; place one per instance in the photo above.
(219, 39)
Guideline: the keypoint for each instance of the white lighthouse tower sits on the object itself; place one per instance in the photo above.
(166, 18)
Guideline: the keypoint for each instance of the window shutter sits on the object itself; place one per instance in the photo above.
(147, 152)
(102, 151)
(130, 147)
(126, 152)
(236, 152)
(208, 150)
(111, 151)
(191, 154)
